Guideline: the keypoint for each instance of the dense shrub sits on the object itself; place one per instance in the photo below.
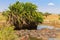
(7, 33)
(23, 15)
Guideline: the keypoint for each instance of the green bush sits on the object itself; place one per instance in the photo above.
(23, 15)
(7, 33)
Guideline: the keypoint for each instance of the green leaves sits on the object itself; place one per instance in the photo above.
(7, 33)
(20, 14)
(30, 7)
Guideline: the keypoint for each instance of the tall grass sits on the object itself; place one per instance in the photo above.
(7, 33)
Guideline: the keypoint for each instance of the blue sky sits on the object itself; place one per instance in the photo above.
(52, 6)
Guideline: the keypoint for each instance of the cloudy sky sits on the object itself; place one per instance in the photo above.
(51, 6)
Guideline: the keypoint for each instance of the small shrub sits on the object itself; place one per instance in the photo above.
(7, 33)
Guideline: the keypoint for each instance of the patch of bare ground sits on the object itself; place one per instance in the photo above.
(43, 34)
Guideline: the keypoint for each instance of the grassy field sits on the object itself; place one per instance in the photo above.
(51, 21)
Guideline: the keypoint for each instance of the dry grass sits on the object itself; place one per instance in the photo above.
(52, 20)
(2, 20)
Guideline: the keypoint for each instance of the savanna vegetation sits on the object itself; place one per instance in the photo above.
(23, 15)
(20, 16)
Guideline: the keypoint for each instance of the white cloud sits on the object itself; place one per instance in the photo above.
(51, 4)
